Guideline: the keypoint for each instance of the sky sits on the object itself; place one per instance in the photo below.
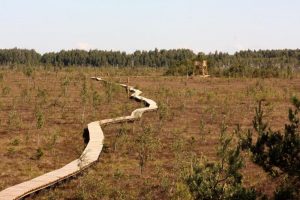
(129, 25)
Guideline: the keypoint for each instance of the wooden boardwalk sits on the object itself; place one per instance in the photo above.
(89, 156)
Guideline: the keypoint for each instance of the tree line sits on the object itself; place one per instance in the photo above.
(218, 62)
(262, 63)
(96, 58)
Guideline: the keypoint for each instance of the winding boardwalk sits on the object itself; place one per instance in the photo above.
(89, 156)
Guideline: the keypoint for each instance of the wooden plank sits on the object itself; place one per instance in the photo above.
(89, 156)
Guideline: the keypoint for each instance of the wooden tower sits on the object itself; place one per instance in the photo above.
(201, 68)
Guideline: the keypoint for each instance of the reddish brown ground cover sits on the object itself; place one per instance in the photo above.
(185, 127)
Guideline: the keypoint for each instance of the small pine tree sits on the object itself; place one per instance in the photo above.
(278, 153)
(65, 82)
(145, 145)
(273, 150)
(221, 179)
(84, 98)
(40, 121)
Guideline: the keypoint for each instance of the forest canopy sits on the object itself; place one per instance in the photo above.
(153, 58)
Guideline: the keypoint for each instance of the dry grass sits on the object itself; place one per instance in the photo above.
(186, 126)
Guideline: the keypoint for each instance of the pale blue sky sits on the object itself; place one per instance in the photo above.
(127, 25)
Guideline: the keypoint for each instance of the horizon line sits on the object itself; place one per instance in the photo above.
(148, 50)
